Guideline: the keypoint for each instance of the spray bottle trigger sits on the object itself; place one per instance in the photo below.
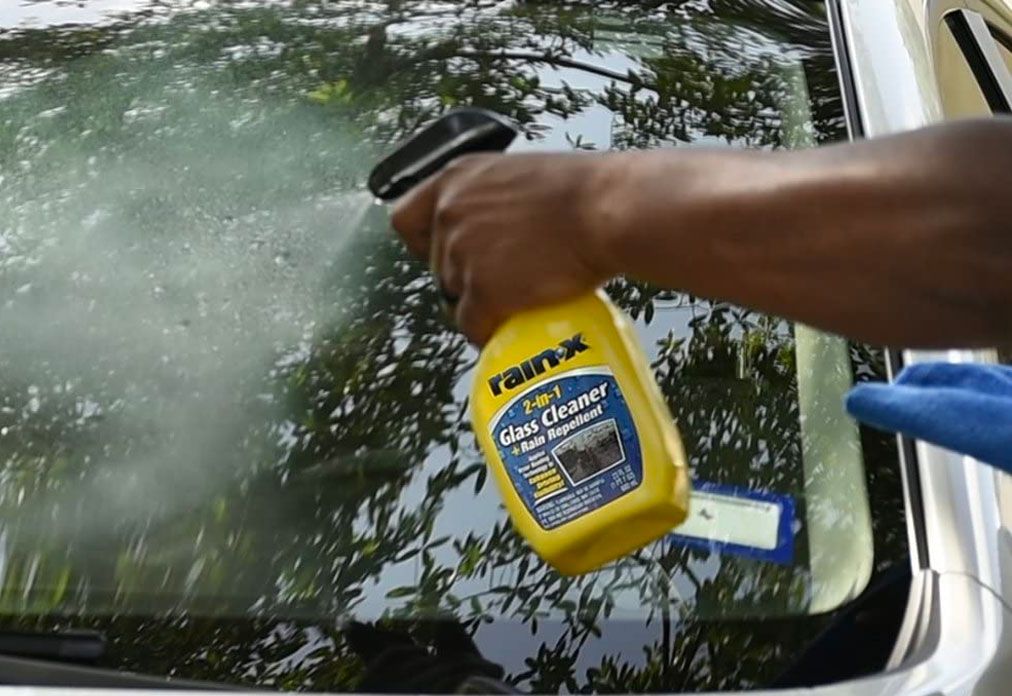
(461, 131)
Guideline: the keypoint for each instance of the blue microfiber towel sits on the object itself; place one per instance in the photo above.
(966, 408)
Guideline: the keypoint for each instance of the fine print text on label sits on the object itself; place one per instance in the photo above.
(569, 445)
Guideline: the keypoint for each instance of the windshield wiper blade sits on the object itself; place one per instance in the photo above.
(61, 646)
(66, 659)
(17, 671)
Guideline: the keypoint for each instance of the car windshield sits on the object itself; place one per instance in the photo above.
(228, 397)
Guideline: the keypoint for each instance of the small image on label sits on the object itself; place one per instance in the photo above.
(569, 445)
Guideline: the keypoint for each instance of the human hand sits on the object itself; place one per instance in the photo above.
(963, 407)
(504, 233)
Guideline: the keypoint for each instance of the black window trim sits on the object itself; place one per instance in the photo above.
(977, 41)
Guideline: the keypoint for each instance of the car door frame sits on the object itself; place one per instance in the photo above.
(956, 636)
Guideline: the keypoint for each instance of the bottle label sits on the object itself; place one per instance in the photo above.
(569, 445)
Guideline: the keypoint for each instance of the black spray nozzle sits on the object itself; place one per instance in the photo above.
(460, 131)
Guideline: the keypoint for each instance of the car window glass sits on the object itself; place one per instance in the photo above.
(229, 395)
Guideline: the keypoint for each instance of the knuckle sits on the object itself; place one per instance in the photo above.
(455, 247)
(447, 212)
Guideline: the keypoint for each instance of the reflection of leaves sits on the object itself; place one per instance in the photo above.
(332, 92)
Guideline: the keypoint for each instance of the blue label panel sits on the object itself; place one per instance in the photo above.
(720, 522)
(569, 445)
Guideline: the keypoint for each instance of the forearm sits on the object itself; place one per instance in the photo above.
(901, 241)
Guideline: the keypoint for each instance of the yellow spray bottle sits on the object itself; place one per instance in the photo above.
(564, 405)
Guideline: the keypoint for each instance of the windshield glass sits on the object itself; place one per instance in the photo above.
(226, 391)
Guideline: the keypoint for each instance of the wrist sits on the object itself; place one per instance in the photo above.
(640, 203)
(671, 217)
(609, 208)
